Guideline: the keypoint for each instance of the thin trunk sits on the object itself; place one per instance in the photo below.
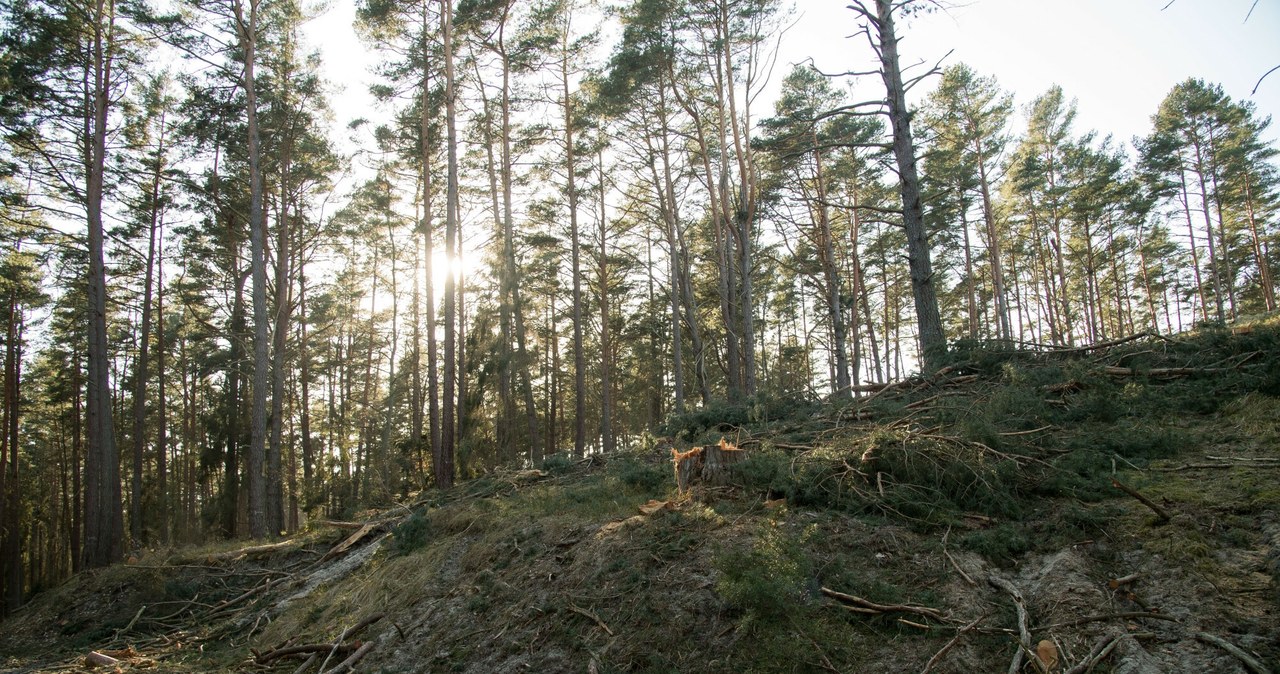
(163, 523)
(570, 166)
(141, 365)
(608, 443)
(443, 461)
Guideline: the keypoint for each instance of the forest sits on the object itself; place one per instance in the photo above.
(577, 225)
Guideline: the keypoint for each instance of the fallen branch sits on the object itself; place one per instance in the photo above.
(1251, 663)
(350, 662)
(251, 551)
(304, 649)
(1117, 583)
(1099, 653)
(951, 559)
(1010, 434)
(860, 605)
(937, 657)
(1160, 512)
(1124, 615)
(588, 614)
(1117, 371)
(351, 540)
(1024, 633)
(96, 659)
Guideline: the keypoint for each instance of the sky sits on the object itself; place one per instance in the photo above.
(1117, 58)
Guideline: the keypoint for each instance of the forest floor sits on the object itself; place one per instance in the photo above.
(1113, 508)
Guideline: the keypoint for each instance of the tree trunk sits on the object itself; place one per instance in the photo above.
(933, 342)
(608, 443)
(570, 167)
(104, 518)
(259, 521)
(443, 461)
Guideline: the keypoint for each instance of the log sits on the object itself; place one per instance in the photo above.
(96, 659)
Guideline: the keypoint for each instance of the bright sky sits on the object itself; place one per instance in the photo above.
(1118, 58)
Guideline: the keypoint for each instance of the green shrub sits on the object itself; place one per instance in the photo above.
(766, 581)
(647, 477)
(1002, 543)
(557, 463)
(412, 534)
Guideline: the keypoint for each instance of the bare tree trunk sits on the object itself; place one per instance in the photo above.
(933, 342)
(433, 383)
(571, 168)
(11, 523)
(163, 522)
(443, 461)
(608, 442)
(259, 521)
(104, 518)
(141, 365)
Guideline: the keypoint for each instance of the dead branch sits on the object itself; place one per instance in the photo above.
(251, 551)
(1010, 434)
(306, 664)
(591, 616)
(1099, 653)
(304, 649)
(350, 662)
(1117, 583)
(937, 657)
(1024, 633)
(860, 605)
(1124, 615)
(1109, 343)
(953, 559)
(1160, 512)
(96, 659)
(351, 540)
(1251, 663)
(1117, 371)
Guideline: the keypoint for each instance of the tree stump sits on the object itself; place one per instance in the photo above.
(717, 463)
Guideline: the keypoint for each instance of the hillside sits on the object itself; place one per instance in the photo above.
(931, 525)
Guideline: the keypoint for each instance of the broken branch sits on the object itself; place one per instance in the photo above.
(1024, 633)
(1160, 512)
(860, 605)
(1251, 663)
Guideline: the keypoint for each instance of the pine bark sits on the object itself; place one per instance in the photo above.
(933, 341)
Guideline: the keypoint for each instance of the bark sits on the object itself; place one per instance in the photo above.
(442, 462)
(142, 364)
(162, 412)
(104, 517)
(608, 443)
(571, 168)
(933, 342)
(511, 273)
(259, 521)
(825, 244)
(11, 524)
(433, 382)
